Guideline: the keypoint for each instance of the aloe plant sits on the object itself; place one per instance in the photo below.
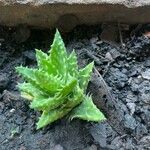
(57, 87)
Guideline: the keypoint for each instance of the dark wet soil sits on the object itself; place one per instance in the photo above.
(126, 71)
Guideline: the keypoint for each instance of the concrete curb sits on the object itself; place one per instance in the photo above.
(66, 14)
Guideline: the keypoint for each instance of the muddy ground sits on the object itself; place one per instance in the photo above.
(121, 56)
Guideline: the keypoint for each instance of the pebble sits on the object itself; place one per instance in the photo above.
(12, 110)
(146, 74)
(129, 144)
(92, 147)
(135, 88)
(119, 78)
(145, 97)
(22, 148)
(115, 53)
(29, 55)
(58, 147)
(131, 107)
(141, 130)
(109, 57)
(93, 42)
(147, 63)
(129, 122)
(8, 96)
(134, 73)
(145, 140)
(120, 85)
(116, 143)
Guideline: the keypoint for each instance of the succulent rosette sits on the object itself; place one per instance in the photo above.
(57, 87)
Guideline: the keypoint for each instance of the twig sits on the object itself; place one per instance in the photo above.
(111, 106)
(120, 36)
(104, 86)
(105, 101)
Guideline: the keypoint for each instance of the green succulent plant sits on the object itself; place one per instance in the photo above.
(57, 86)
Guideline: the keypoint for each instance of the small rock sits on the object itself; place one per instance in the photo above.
(129, 122)
(134, 73)
(93, 42)
(130, 80)
(131, 98)
(120, 85)
(127, 65)
(116, 143)
(129, 144)
(29, 55)
(12, 110)
(145, 97)
(117, 65)
(22, 148)
(58, 147)
(114, 53)
(131, 106)
(124, 71)
(120, 78)
(147, 63)
(140, 130)
(8, 96)
(4, 80)
(145, 141)
(92, 147)
(146, 74)
(135, 88)
(109, 57)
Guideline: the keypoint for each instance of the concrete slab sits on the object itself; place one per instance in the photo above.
(68, 13)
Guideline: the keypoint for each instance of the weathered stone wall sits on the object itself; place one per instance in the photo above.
(68, 13)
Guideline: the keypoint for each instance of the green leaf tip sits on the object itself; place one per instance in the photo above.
(87, 110)
(57, 87)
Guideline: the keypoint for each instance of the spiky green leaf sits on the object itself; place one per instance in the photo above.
(87, 111)
(45, 64)
(29, 89)
(72, 64)
(85, 75)
(41, 80)
(58, 55)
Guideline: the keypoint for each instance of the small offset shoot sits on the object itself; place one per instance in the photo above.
(57, 87)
